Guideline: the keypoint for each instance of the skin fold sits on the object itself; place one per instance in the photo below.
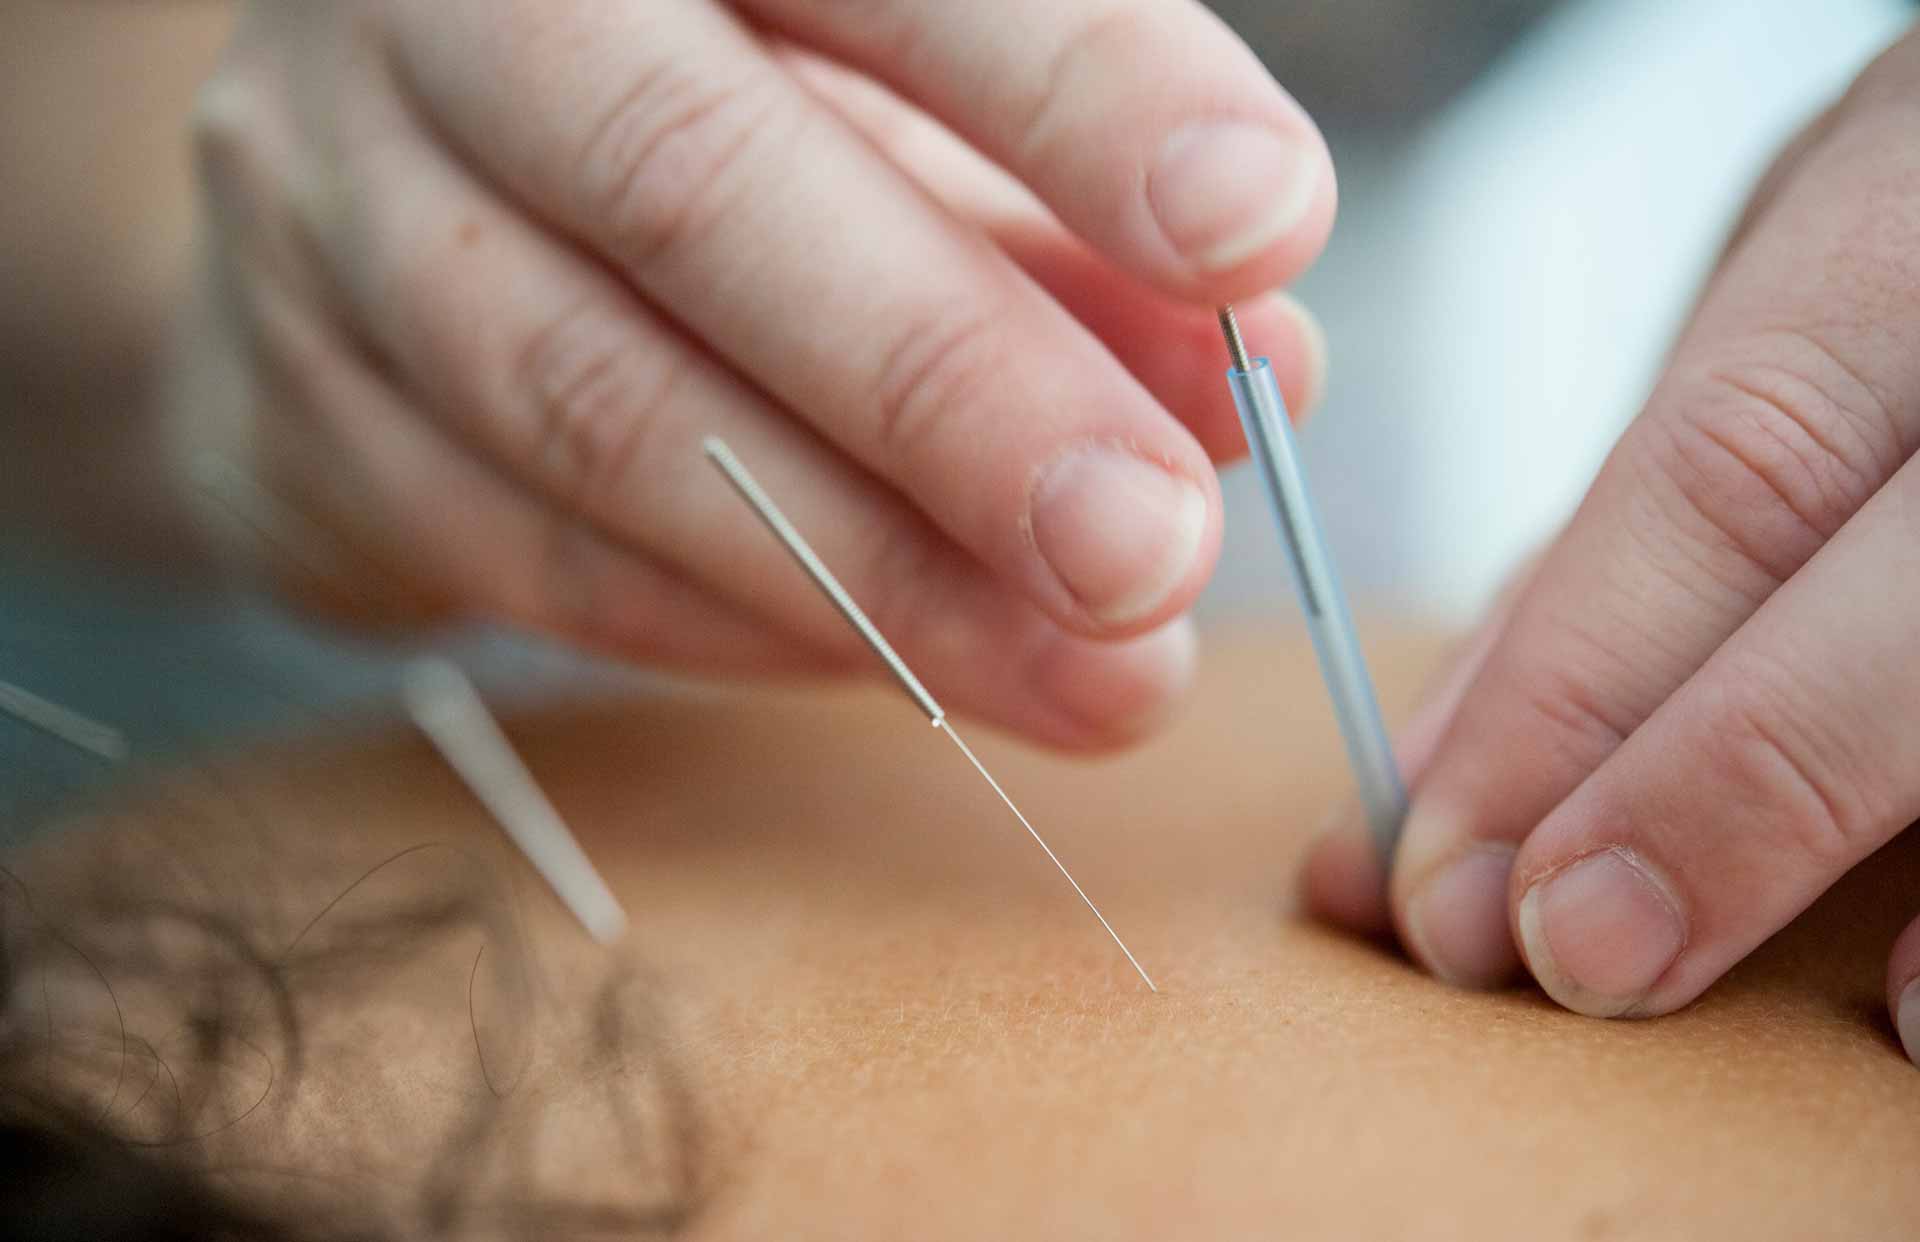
(857, 1003)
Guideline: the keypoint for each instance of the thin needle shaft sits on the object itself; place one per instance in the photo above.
(981, 768)
(750, 490)
(64, 723)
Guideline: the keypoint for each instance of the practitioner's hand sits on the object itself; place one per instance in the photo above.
(1705, 704)
(482, 274)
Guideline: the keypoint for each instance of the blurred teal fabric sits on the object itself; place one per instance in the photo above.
(180, 675)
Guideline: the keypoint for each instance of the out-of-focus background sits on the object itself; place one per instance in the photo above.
(1531, 194)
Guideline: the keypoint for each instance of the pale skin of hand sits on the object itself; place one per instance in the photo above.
(1703, 705)
(481, 275)
(889, 1019)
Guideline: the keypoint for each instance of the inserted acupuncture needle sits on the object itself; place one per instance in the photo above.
(447, 708)
(750, 491)
(77, 731)
(1342, 665)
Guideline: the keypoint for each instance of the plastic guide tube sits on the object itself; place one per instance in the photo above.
(1269, 434)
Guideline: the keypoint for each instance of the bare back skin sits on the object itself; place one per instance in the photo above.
(859, 1004)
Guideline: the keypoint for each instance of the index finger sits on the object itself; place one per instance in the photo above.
(1147, 126)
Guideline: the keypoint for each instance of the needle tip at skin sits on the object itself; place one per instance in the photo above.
(981, 768)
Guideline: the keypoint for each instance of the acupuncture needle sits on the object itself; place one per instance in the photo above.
(1329, 619)
(77, 731)
(796, 545)
(447, 708)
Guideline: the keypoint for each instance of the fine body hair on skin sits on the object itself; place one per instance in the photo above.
(197, 1041)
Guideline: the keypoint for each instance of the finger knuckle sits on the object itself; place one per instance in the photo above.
(1571, 714)
(939, 362)
(598, 403)
(660, 164)
(1115, 33)
(1800, 777)
(1777, 447)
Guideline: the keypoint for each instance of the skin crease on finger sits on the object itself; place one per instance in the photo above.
(892, 1020)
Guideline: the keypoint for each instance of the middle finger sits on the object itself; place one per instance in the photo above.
(667, 139)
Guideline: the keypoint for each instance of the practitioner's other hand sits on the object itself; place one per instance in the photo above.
(1704, 706)
(481, 275)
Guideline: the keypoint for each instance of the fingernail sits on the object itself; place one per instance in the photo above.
(1600, 933)
(1119, 691)
(1224, 191)
(1457, 919)
(1908, 1021)
(1122, 534)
